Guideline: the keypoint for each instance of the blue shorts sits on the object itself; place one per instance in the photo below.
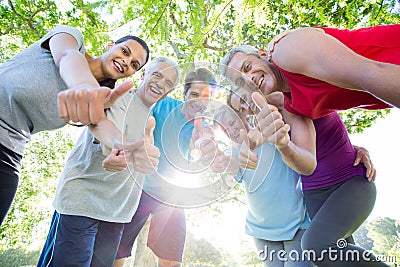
(167, 230)
(80, 241)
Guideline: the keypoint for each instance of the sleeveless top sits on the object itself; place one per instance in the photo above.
(335, 155)
(314, 98)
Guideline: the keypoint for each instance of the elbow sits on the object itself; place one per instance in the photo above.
(310, 167)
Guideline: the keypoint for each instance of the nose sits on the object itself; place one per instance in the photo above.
(249, 77)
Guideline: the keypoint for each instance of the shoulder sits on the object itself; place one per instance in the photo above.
(74, 32)
(294, 49)
(167, 103)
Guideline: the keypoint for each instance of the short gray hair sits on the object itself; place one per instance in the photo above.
(246, 49)
(170, 62)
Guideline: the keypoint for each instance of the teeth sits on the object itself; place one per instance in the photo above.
(118, 66)
(154, 90)
(260, 82)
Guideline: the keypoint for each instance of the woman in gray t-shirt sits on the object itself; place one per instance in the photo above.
(57, 70)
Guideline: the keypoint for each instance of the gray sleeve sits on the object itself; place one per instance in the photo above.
(65, 29)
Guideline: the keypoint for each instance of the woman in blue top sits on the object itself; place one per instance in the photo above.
(276, 216)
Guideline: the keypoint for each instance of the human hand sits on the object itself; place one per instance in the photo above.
(270, 122)
(86, 104)
(248, 157)
(121, 155)
(145, 159)
(202, 144)
(220, 163)
(364, 158)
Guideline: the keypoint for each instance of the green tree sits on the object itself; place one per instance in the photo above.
(196, 30)
(386, 235)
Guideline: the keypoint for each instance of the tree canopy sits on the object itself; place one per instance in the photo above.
(190, 31)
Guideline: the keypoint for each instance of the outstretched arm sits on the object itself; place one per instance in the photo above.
(85, 100)
(312, 52)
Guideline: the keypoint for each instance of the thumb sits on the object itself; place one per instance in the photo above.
(259, 100)
(244, 137)
(148, 133)
(118, 91)
(198, 124)
(253, 137)
(134, 145)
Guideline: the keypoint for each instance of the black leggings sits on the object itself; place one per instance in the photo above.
(10, 165)
(336, 212)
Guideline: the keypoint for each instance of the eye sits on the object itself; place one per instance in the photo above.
(135, 66)
(157, 75)
(170, 84)
(124, 51)
(247, 67)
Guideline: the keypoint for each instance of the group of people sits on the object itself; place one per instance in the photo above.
(307, 186)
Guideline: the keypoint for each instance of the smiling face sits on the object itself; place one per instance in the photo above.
(157, 82)
(244, 67)
(232, 123)
(123, 59)
(196, 99)
(241, 101)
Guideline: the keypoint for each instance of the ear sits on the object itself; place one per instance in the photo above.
(262, 53)
(109, 45)
(142, 74)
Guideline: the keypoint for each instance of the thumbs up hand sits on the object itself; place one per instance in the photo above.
(248, 158)
(145, 159)
(270, 122)
(202, 144)
(121, 155)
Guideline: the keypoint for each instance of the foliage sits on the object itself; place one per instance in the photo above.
(198, 30)
(29, 216)
(18, 256)
(386, 235)
(361, 237)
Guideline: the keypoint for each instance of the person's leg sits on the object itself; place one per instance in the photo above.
(167, 234)
(106, 244)
(74, 241)
(294, 253)
(339, 216)
(10, 165)
(48, 248)
(132, 229)
(268, 251)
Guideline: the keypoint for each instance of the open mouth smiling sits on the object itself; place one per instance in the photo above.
(118, 66)
(155, 90)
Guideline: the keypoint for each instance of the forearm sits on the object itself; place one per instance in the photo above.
(107, 133)
(300, 160)
(75, 71)
(233, 166)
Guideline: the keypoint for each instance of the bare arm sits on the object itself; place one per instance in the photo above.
(107, 133)
(313, 53)
(300, 151)
(74, 68)
(84, 100)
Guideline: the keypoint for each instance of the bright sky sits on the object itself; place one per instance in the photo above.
(382, 141)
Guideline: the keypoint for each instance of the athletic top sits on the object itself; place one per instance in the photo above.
(335, 155)
(314, 98)
(29, 84)
(172, 136)
(276, 209)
